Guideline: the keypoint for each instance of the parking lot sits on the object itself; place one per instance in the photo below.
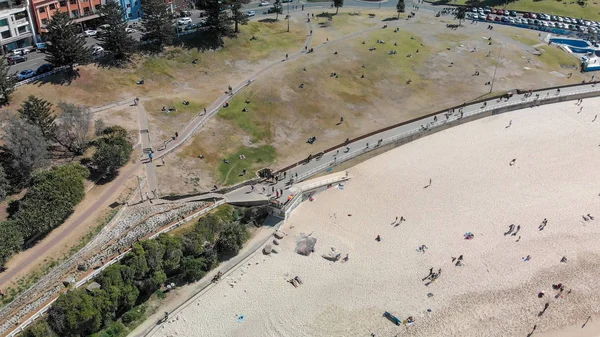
(537, 20)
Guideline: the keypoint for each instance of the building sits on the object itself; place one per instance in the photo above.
(16, 25)
(84, 12)
(133, 9)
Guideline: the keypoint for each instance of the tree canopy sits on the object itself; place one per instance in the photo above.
(38, 112)
(116, 40)
(67, 46)
(7, 81)
(158, 24)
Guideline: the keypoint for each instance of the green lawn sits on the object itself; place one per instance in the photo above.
(256, 158)
(590, 10)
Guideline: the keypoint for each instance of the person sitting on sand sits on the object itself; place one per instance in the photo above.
(378, 238)
(297, 278)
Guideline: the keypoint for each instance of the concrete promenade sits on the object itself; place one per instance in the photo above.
(408, 131)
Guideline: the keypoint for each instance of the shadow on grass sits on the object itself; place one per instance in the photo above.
(201, 41)
(393, 18)
(267, 20)
(60, 78)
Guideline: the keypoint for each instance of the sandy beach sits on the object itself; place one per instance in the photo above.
(474, 188)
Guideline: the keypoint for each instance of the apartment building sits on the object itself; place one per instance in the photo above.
(133, 9)
(84, 12)
(16, 25)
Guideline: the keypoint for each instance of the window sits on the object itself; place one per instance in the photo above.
(4, 5)
(23, 29)
(97, 7)
(63, 3)
(128, 5)
(5, 34)
(130, 15)
(21, 15)
(3, 22)
(86, 10)
(44, 22)
(84, 0)
(75, 13)
(52, 7)
(73, 2)
(42, 9)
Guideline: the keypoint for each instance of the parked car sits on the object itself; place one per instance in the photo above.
(90, 32)
(251, 13)
(192, 26)
(489, 18)
(23, 51)
(97, 50)
(14, 59)
(264, 3)
(41, 47)
(272, 10)
(185, 14)
(44, 68)
(129, 30)
(104, 26)
(513, 13)
(497, 18)
(184, 21)
(500, 12)
(25, 74)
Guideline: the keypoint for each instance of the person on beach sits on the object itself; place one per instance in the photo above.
(512, 162)
(378, 238)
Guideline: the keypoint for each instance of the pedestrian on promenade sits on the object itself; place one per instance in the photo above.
(150, 156)
(163, 160)
(176, 135)
(286, 56)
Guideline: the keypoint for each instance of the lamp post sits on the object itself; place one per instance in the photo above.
(288, 17)
(496, 68)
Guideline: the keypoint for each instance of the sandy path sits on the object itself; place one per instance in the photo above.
(473, 189)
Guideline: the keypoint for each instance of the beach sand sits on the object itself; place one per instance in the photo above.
(474, 189)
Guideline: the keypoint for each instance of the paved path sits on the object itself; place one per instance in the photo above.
(356, 148)
(151, 185)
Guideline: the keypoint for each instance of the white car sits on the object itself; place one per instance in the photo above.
(90, 32)
(97, 50)
(184, 21)
(251, 13)
(264, 3)
(23, 51)
(129, 30)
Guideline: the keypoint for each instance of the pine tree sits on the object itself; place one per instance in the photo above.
(238, 17)
(38, 112)
(116, 40)
(337, 4)
(66, 47)
(277, 8)
(7, 81)
(158, 23)
(460, 15)
(218, 24)
(400, 7)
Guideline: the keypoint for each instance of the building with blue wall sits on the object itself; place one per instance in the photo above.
(133, 9)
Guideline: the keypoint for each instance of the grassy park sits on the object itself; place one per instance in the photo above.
(281, 115)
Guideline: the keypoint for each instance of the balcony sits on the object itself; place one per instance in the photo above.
(92, 14)
(21, 22)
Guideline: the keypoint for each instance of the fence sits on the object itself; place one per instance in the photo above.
(83, 281)
(38, 77)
